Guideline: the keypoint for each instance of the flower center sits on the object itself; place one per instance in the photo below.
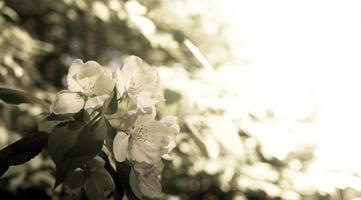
(141, 134)
(88, 89)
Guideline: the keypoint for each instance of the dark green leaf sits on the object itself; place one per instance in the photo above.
(47, 126)
(119, 191)
(49, 122)
(123, 171)
(75, 179)
(62, 117)
(62, 139)
(12, 96)
(89, 141)
(83, 116)
(98, 183)
(71, 146)
(66, 166)
(110, 105)
(111, 132)
(100, 128)
(134, 184)
(22, 150)
(96, 163)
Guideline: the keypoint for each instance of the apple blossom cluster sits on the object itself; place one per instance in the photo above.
(140, 139)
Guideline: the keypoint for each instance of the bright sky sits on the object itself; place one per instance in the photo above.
(316, 43)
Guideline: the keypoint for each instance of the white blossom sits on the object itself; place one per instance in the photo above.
(138, 82)
(89, 85)
(146, 140)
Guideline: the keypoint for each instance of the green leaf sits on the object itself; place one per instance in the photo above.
(111, 132)
(128, 120)
(63, 168)
(62, 139)
(98, 183)
(89, 141)
(171, 96)
(83, 116)
(123, 171)
(22, 150)
(197, 138)
(100, 129)
(119, 191)
(75, 179)
(96, 163)
(47, 126)
(134, 184)
(12, 96)
(61, 117)
(110, 105)
(71, 146)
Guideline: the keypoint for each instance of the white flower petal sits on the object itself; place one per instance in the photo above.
(167, 157)
(144, 118)
(119, 82)
(158, 128)
(146, 79)
(137, 152)
(120, 146)
(90, 69)
(74, 69)
(67, 102)
(169, 140)
(170, 121)
(104, 83)
(144, 152)
(96, 102)
(75, 66)
(168, 144)
(131, 68)
(147, 99)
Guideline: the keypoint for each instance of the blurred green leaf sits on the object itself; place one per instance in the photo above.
(22, 150)
(12, 96)
(171, 96)
(197, 138)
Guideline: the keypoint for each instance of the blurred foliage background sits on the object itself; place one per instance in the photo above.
(227, 149)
